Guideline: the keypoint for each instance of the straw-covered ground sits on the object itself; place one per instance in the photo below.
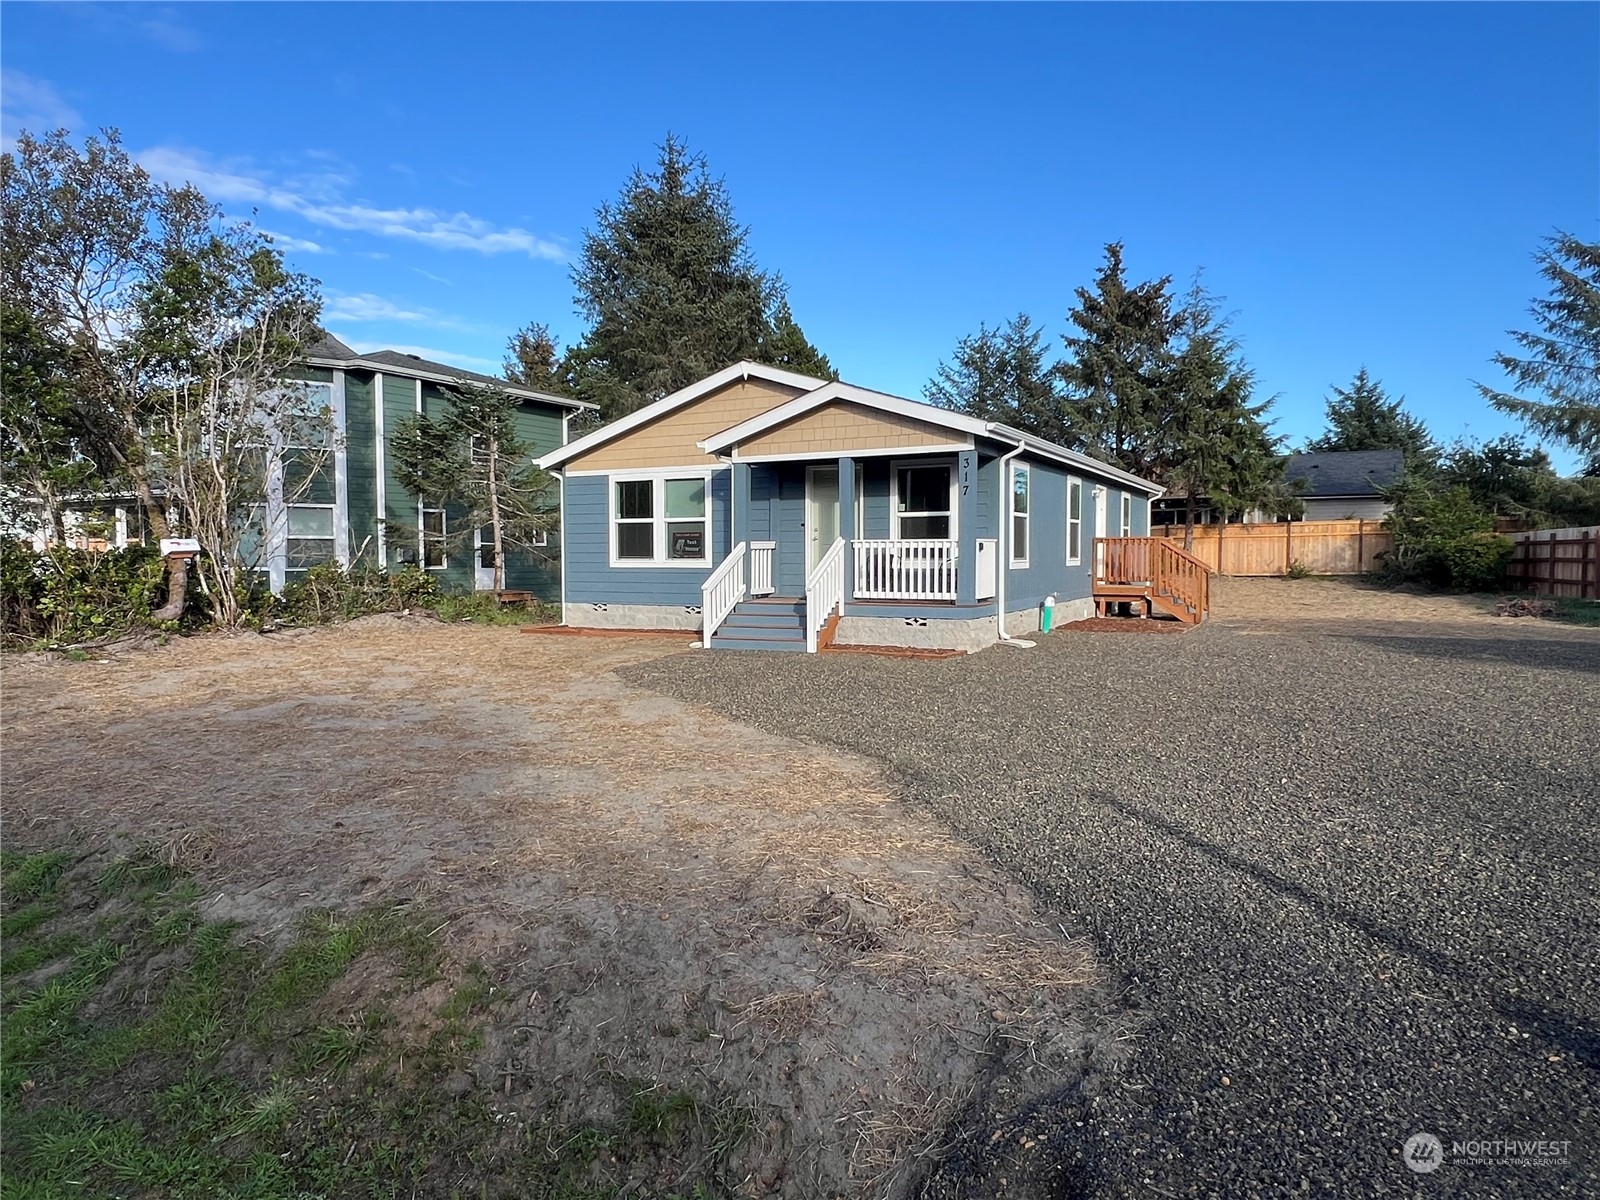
(675, 910)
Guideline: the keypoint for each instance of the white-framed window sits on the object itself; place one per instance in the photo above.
(924, 500)
(309, 536)
(1021, 481)
(432, 531)
(660, 520)
(305, 415)
(1127, 515)
(485, 540)
(1074, 520)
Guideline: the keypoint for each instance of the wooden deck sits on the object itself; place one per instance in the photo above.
(1153, 574)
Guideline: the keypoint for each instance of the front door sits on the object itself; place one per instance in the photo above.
(822, 512)
(483, 560)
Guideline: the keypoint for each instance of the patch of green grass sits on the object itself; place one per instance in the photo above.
(171, 1056)
(1575, 612)
(31, 876)
(339, 1047)
(326, 947)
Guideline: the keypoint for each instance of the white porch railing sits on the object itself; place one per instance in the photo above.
(761, 568)
(824, 592)
(723, 589)
(916, 569)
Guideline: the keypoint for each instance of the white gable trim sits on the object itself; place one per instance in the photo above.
(733, 374)
(929, 414)
(848, 393)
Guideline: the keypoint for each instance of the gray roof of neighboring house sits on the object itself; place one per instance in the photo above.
(1344, 472)
(332, 351)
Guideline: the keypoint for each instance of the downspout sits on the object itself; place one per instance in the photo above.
(1003, 567)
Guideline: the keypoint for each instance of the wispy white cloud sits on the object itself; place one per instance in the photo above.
(320, 199)
(365, 307)
(468, 361)
(296, 245)
(165, 30)
(432, 276)
(32, 104)
(163, 26)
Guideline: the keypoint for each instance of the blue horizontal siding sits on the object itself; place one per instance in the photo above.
(586, 546)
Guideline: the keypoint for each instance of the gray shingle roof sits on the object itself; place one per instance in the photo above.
(330, 349)
(397, 358)
(1345, 472)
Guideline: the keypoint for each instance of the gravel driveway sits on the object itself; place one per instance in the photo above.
(1350, 879)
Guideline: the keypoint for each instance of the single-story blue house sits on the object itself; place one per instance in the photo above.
(770, 510)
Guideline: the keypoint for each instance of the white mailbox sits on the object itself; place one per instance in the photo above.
(179, 546)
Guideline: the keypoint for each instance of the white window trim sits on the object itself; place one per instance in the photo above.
(1125, 515)
(1012, 514)
(896, 465)
(658, 516)
(332, 539)
(443, 537)
(1074, 484)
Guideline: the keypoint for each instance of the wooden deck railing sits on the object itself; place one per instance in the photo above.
(1164, 571)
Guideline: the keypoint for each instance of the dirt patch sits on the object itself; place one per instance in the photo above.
(1334, 599)
(670, 898)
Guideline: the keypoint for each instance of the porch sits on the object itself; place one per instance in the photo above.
(814, 536)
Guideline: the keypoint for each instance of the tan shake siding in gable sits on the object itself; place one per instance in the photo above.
(840, 428)
(669, 441)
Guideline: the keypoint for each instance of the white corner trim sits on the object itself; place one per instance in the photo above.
(382, 457)
(341, 476)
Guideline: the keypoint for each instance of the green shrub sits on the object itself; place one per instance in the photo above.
(329, 592)
(1444, 539)
(62, 595)
(1297, 570)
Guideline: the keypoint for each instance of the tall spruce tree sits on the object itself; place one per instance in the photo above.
(1001, 375)
(1362, 417)
(1562, 360)
(671, 289)
(531, 359)
(784, 344)
(1219, 447)
(1113, 371)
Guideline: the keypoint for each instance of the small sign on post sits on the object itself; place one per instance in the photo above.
(183, 547)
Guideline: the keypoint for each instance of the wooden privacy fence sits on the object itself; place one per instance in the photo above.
(1322, 547)
(1557, 562)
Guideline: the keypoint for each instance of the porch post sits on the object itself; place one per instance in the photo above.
(739, 526)
(847, 523)
(967, 521)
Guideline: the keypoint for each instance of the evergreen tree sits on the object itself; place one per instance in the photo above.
(531, 360)
(1562, 361)
(1114, 367)
(669, 287)
(1001, 375)
(1218, 446)
(784, 344)
(472, 456)
(1362, 417)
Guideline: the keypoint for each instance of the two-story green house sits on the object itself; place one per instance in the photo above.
(357, 511)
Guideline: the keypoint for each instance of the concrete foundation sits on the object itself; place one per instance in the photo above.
(633, 616)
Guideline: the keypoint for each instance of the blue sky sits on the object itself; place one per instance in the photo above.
(1364, 183)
